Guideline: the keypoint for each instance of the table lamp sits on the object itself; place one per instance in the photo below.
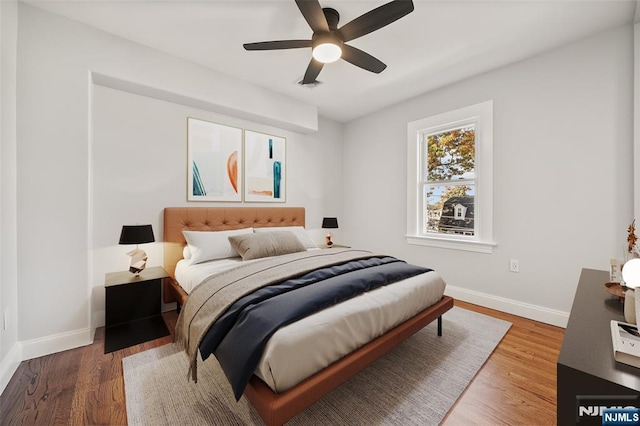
(329, 223)
(631, 279)
(137, 234)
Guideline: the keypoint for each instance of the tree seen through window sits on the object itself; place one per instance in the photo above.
(450, 181)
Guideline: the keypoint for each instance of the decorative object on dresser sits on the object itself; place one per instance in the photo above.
(133, 310)
(137, 234)
(329, 223)
(631, 280)
(615, 289)
(632, 239)
(615, 270)
(626, 343)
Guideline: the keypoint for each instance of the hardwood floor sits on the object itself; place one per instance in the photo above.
(517, 384)
(82, 386)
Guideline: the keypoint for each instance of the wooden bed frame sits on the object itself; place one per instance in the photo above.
(276, 409)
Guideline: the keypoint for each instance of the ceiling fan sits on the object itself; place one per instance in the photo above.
(328, 41)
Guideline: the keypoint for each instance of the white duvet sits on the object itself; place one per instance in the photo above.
(305, 347)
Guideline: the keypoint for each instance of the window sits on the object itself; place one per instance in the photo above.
(460, 212)
(449, 184)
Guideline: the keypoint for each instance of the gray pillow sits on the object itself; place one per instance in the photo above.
(266, 244)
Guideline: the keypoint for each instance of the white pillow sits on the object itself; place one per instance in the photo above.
(205, 245)
(298, 231)
(186, 252)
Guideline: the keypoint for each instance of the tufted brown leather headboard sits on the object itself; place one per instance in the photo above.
(178, 219)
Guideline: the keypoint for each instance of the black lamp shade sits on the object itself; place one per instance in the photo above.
(330, 223)
(136, 234)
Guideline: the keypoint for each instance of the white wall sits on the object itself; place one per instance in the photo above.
(139, 166)
(65, 221)
(10, 353)
(563, 124)
(636, 120)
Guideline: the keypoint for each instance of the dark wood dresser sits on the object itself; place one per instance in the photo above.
(588, 375)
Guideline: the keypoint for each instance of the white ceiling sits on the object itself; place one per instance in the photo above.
(440, 42)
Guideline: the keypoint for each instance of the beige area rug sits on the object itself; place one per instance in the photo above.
(417, 383)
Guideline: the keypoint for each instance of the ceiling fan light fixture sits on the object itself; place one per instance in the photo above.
(328, 42)
(327, 52)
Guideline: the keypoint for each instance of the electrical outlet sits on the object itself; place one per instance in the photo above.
(514, 265)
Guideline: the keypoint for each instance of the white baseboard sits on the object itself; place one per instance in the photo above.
(9, 365)
(56, 343)
(22, 351)
(526, 310)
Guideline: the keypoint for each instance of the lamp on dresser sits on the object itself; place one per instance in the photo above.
(137, 234)
(329, 223)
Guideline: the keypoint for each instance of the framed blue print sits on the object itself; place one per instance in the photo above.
(264, 168)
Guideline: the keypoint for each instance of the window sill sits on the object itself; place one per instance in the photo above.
(451, 243)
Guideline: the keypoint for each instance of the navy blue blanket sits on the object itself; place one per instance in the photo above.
(239, 336)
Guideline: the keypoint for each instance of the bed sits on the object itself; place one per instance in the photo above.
(276, 407)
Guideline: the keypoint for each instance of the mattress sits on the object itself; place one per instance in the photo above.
(189, 276)
(305, 347)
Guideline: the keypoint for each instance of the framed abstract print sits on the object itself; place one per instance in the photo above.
(214, 162)
(264, 168)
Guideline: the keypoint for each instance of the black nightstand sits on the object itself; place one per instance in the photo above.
(133, 308)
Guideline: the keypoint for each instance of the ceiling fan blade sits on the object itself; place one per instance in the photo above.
(312, 72)
(376, 19)
(312, 12)
(278, 44)
(362, 59)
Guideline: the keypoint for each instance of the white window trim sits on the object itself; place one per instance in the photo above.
(482, 242)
